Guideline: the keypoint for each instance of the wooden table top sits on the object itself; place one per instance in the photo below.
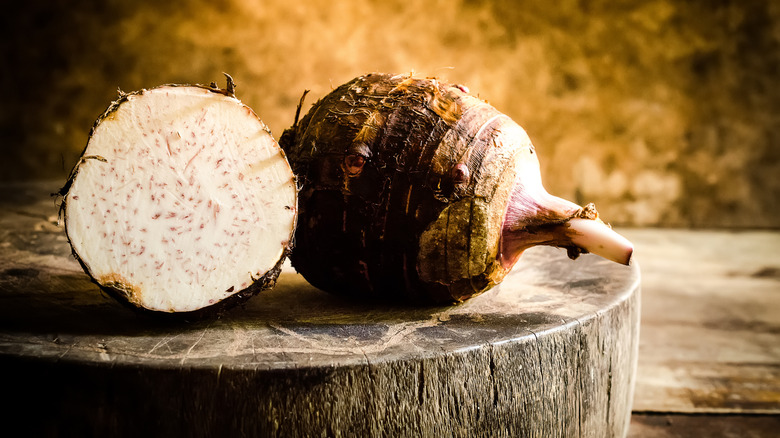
(50, 309)
(709, 349)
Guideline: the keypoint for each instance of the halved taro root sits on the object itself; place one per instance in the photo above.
(182, 200)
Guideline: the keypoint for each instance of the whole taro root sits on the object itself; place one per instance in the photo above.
(413, 190)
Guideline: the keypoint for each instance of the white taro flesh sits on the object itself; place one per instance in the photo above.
(182, 199)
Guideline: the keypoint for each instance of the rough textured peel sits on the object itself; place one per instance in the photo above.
(414, 190)
(182, 200)
(404, 187)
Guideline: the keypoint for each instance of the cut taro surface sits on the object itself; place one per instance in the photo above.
(181, 202)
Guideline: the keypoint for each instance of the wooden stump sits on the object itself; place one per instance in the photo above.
(550, 352)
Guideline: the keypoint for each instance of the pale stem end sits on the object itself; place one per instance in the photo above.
(596, 237)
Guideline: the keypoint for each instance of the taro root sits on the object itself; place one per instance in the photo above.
(413, 190)
(181, 202)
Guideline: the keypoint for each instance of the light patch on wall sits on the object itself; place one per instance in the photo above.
(655, 193)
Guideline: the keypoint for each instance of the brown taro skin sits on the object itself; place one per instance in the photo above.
(404, 184)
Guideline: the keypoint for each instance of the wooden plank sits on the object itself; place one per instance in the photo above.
(710, 337)
(551, 352)
(710, 426)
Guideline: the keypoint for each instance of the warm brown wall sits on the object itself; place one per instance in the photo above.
(662, 112)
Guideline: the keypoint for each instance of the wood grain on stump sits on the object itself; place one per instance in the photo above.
(550, 352)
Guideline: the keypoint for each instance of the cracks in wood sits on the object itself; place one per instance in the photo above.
(609, 391)
(163, 342)
(493, 382)
(421, 383)
(539, 355)
(70, 347)
(254, 352)
(371, 386)
(582, 387)
(189, 350)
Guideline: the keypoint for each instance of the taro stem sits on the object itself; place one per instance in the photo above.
(534, 217)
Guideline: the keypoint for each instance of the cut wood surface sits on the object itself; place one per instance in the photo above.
(550, 352)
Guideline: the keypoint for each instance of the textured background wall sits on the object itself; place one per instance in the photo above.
(662, 112)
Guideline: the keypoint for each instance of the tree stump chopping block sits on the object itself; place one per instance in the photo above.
(550, 352)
